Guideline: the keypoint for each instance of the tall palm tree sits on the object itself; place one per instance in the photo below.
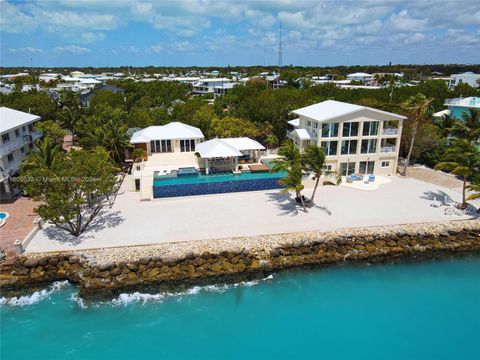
(462, 159)
(43, 157)
(293, 182)
(314, 161)
(289, 156)
(469, 127)
(420, 109)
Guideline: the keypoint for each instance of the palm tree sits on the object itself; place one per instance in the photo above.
(289, 156)
(293, 182)
(314, 161)
(475, 188)
(469, 127)
(445, 125)
(462, 159)
(420, 112)
(43, 157)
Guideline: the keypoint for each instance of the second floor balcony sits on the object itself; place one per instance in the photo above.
(390, 131)
(17, 143)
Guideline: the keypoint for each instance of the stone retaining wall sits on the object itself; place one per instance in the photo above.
(114, 268)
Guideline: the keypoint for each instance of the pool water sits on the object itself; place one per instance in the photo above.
(414, 311)
(3, 215)
(200, 178)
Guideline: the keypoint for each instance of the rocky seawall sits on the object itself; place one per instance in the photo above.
(170, 263)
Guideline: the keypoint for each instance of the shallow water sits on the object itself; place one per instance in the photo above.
(425, 310)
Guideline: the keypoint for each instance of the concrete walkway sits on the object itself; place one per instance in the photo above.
(131, 222)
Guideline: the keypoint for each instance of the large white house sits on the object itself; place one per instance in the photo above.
(356, 139)
(18, 136)
(218, 86)
(360, 76)
(468, 77)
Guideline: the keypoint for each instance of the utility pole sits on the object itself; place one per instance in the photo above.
(280, 51)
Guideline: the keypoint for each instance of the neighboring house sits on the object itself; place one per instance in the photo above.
(86, 97)
(173, 137)
(218, 86)
(456, 107)
(17, 139)
(47, 77)
(468, 77)
(356, 139)
(360, 76)
(77, 84)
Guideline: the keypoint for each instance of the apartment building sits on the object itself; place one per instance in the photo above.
(356, 139)
(17, 139)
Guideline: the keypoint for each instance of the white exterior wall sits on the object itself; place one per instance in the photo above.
(466, 78)
(361, 118)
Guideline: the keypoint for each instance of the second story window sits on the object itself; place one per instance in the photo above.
(330, 147)
(349, 147)
(17, 133)
(370, 128)
(24, 128)
(30, 127)
(10, 158)
(330, 130)
(350, 129)
(5, 138)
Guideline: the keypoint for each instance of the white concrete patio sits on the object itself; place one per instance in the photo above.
(131, 222)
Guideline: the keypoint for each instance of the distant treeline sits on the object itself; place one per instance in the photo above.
(414, 71)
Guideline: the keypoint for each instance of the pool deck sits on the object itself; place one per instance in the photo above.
(131, 222)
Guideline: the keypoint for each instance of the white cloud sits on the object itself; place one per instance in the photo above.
(415, 38)
(71, 49)
(156, 48)
(90, 37)
(27, 49)
(403, 22)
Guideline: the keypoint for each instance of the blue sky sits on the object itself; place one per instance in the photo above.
(220, 33)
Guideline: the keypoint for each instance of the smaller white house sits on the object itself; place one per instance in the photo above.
(77, 84)
(173, 137)
(360, 76)
(468, 77)
(225, 154)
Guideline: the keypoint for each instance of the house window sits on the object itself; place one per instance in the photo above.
(347, 168)
(187, 145)
(22, 149)
(30, 145)
(349, 147)
(330, 147)
(369, 146)
(161, 146)
(366, 167)
(370, 128)
(350, 129)
(385, 164)
(24, 128)
(328, 167)
(309, 123)
(30, 127)
(10, 158)
(5, 138)
(330, 130)
(315, 125)
(17, 133)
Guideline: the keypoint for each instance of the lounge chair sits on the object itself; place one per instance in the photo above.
(435, 203)
(371, 178)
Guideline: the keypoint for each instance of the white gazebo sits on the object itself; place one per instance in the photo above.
(223, 154)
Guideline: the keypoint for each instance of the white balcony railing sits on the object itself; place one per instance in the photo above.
(387, 149)
(390, 131)
(19, 142)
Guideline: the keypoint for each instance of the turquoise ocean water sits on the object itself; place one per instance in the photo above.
(424, 310)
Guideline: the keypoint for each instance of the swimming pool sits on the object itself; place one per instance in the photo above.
(214, 184)
(201, 178)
